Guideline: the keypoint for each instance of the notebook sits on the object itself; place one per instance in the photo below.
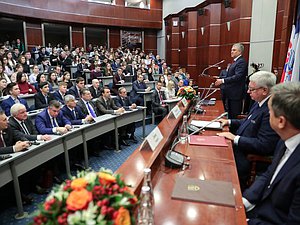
(208, 140)
(207, 124)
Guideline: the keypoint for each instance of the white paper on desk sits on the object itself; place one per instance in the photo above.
(207, 124)
(176, 111)
(184, 102)
(154, 138)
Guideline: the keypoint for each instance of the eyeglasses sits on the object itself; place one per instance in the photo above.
(253, 89)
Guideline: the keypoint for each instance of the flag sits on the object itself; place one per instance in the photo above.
(292, 63)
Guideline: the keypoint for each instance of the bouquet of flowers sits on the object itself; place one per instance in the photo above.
(187, 92)
(90, 198)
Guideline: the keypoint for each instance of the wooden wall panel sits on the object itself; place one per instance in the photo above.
(86, 12)
(77, 36)
(114, 38)
(150, 42)
(34, 35)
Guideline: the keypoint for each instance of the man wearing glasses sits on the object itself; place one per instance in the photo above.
(254, 134)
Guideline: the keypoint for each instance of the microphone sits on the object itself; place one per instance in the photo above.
(175, 159)
(214, 65)
(199, 104)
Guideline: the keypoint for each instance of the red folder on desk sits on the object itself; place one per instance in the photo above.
(208, 140)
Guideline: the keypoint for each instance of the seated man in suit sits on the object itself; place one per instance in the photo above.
(52, 121)
(22, 126)
(254, 134)
(119, 78)
(86, 104)
(106, 105)
(14, 91)
(59, 94)
(95, 88)
(274, 196)
(42, 98)
(122, 100)
(75, 90)
(138, 86)
(8, 143)
(158, 107)
(73, 112)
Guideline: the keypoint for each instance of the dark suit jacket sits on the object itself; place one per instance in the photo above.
(234, 82)
(155, 98)
(137, 87)
(125, 103)
(257, 137)
(106, 108)
(40, 102)
(9, 141)
(71, 117)
(44, 125)
(19, 132)
(93, 92)
(57, 96)
(73, 91)
(84, 108)
(278, 203)
(9, 102)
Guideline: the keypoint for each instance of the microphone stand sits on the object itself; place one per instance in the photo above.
(212, 66)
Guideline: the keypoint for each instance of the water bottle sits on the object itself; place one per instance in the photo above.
(145, 211)
(147, 182)
(183, 132)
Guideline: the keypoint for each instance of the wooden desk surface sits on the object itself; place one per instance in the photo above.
(211, 163)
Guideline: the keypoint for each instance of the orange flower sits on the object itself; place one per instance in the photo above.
(123, 217)
(129, 190)
(106, 178)
(78, 183)
(78, 199)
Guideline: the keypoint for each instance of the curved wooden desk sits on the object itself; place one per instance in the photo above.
(211, 163)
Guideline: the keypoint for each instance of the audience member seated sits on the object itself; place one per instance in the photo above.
(138, 86)
(119, 78)
(254, 134)
(40, 79)
(82, 67)
(273, 197)
(22, 126)
(19, 69)
(95, 88)
(86, 104)
(162, 80)
(52, 121)
(8, 144)
(24, 86)
(43, 97)
(108, 70)
(75, 90)
(122, 100)
(3, 74)
(45, 66)
(158, 107)
(14, 91)
(96, 72)
(59, 94)
(73, 112)
(52, 80)
(66, 77)
(3, 85)
(34, 74)
(170, 90)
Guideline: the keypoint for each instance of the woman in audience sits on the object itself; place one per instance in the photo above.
(108, 70)
(170, 90)
(8, 69)
(4, 75)
(150, 74)
(33, 76)
(66, 77)
(76, 60)
(22, 61)
(162, 80)
(10, 59)
(24, 86)
(19, 69)
(40, 79)
(52, 79)
(3, 84)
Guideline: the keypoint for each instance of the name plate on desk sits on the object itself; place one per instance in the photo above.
(176, 111)
(154, 138)
(184, 102)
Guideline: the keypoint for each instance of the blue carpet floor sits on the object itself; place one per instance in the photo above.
(109, 159)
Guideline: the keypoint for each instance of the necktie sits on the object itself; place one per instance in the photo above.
(46, 99)
(91, 110)
(277, 160)
(106, 104)
(74, 114)
(1, 140)
(123, 101)
(54, 122)
(24, 128)
(160, 97)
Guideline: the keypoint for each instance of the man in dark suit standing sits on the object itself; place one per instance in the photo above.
(274, 196)
(22, 126)
(95, 88)
(7, 142)
(52, 121)
(122, 100)
(138, 86)
(42, 98)
(234, 83)
(73, 112)
(254, 134)
(14, 91)
(159, 108)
